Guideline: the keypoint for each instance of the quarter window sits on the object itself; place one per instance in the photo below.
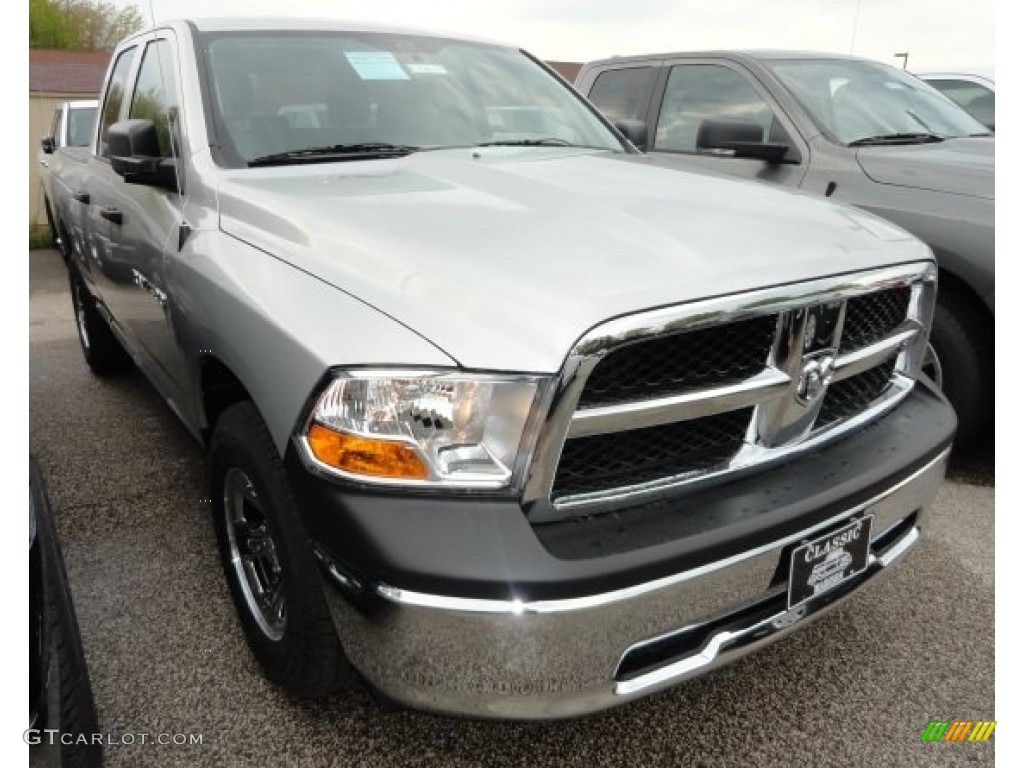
(115, 96)
(699, 92)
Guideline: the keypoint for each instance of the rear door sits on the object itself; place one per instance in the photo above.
(91, 207)
(624, 93)
(43, 158)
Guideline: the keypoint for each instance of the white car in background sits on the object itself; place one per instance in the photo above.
(974, 90)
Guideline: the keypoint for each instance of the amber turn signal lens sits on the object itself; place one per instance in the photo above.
(365, 455)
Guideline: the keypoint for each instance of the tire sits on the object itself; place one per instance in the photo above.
(268, 559)
(55, 239)
(962, 340)
(70, 707)
(100, 348)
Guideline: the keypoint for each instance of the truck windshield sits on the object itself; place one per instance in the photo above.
(865, 102)
(280, 97)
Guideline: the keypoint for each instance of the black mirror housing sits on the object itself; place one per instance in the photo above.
(635, 131)
(739, 139)
(135, 155)
(133, 138)
(48, 144)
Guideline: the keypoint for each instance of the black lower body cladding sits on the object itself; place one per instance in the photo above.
(415, 581)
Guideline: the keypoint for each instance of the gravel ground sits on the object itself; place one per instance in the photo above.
(166, 654)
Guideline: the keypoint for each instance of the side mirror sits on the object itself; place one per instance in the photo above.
(48, 145)
(135, 155)
(635, 131)
(739, 139)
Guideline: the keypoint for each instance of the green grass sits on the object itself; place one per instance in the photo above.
(38, 236)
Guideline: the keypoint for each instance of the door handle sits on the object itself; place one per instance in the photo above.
(81, 197)
(112, 214)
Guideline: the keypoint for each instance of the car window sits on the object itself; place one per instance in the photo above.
(274, 93)
(699, 92)
(156, 92)
(81, 121)
(978, 100)
(853, 99)
(115, 97)
(621, 94)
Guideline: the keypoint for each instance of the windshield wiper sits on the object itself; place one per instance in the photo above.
(897, 138)
(551, 141)
(363, 151)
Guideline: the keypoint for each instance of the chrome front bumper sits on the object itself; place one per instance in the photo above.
(563, 658)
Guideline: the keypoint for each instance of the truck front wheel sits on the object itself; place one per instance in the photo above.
(268, 559)
(961, 341)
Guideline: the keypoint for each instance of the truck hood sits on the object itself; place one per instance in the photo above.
(957, 166)
(504, 257)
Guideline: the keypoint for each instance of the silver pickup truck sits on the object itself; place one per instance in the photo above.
(501, 418)
(66, 140)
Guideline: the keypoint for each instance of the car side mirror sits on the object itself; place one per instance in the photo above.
(135, 155)
(48, 145)
(635, 131)
(733, 138)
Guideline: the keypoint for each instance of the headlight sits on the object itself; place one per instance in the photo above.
(422, 428)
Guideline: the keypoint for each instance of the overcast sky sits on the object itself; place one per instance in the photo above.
(936, 32)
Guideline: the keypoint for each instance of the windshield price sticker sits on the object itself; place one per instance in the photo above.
(426, 69)
(376, 65)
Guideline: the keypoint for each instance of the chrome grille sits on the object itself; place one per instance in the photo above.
(686, 394)
(869, 318)
(850, 396)
(681, 361)
(617, 459)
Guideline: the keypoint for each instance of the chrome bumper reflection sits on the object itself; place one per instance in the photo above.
(559, 658)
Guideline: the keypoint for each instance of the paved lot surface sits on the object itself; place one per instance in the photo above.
(167, 656)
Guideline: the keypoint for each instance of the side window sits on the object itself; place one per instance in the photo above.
(115, 97)
(978, 100)
(621, 94)
(156, 92)
(699, 92)
(81, 122)
(963, 92)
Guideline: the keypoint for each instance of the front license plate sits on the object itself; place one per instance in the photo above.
(826, 562)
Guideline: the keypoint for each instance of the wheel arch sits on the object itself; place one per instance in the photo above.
(219, 389)
(951, 283)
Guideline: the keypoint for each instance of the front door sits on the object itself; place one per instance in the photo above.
(147, 225)
(703, 91)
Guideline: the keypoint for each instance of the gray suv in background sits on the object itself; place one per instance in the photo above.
(850, 129)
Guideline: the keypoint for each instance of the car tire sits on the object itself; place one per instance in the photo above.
(268, 559)
(962, 342)
(102, 351)
(55, 239)
(70, 707)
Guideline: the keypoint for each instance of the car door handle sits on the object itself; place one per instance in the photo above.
(112, 215)
(81, 197)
